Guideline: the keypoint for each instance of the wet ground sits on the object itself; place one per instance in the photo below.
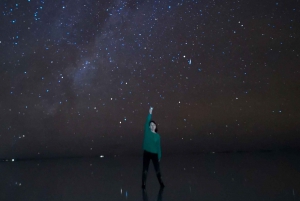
(209, 177)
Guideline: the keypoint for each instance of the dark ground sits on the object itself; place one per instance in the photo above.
(248, 176)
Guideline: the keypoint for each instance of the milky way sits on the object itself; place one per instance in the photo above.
(78, 77)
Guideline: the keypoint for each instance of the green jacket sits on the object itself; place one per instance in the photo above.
(151, 140)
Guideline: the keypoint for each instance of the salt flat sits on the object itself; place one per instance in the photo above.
(210, 176)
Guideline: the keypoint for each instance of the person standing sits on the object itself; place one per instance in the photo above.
(152, 149)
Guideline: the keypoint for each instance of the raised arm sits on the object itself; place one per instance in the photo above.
(148, 118)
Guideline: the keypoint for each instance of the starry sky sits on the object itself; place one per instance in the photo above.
(78, 77)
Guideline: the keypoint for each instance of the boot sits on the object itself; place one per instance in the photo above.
(160, 181)
(144, 178)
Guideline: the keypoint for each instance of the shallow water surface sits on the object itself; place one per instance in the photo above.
(219, 176)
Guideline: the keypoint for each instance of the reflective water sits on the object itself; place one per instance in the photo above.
(225, 176)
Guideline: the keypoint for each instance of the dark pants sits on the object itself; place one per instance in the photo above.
(146, 161)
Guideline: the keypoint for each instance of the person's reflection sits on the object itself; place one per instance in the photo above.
(159, 196)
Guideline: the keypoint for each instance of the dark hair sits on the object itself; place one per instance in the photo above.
(155, 125)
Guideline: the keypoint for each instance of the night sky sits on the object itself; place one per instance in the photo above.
(78, 77)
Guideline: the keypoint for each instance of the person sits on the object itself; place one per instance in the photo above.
(152, 149)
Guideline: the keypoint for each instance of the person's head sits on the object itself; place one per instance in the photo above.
(153, 126)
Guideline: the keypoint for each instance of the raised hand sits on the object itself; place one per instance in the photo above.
(150, 110)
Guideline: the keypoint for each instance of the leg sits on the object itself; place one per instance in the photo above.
(146, 161)
(157, 169)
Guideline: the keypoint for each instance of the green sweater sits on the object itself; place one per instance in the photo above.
(151, 140)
